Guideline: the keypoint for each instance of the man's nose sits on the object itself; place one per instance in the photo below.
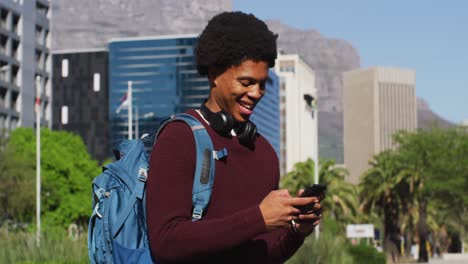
(256, 91)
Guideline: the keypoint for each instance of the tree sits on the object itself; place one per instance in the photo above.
(342, 198)
(17, 188)
(67, 171)
(381, 191)
(420, 185)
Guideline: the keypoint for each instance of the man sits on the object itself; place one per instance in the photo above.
(248, 220)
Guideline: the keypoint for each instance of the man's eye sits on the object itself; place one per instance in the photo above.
(246, 84)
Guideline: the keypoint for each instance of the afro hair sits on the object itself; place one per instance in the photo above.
(231, 38)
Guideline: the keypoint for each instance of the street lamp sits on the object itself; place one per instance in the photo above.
(311, 104)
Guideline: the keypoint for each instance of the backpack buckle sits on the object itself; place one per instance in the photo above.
(220, 154)
(142, 174)
(197, 214)
(96, 211)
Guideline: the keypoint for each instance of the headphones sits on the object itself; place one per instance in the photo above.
(223, 122)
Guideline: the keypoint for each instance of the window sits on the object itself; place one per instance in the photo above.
(97, 82)
(64, 115)
(65, 68)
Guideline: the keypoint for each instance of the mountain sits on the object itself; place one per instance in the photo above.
(427, 118)
(329, 58)
(85, 24)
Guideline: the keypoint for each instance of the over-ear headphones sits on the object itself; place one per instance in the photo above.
(223, 122)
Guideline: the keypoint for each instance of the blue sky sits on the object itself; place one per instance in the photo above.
(430, 37)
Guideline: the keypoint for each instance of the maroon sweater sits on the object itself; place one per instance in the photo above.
(233, 229)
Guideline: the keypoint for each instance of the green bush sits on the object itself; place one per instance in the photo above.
(366, 254)
(327, 250)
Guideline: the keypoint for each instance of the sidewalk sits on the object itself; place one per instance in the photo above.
(450, 258)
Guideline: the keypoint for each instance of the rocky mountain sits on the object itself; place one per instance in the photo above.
(329, 58)
(427, 118)
(84, 24)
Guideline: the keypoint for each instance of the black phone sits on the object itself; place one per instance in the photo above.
(316, 190)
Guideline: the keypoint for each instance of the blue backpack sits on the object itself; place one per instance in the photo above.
(117, 231)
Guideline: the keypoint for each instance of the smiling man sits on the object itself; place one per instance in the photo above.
(248, 219)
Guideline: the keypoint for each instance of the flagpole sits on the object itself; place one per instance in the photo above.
(38, 160)
(136, 123)
(130, 129)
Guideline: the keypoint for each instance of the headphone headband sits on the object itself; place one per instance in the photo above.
(223, 122)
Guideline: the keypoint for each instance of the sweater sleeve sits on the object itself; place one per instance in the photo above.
(282, 243)
(172, 234)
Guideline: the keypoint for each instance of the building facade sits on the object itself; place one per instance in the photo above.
(267, 112)
(164, 81)
(80, 88)
(24, 62)
(377, 103)
(298, 112)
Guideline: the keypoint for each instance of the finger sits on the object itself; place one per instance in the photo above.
(316, 223)
(317, 207)
(301, 200)
(322, 196)
(300, 192)
(309, 217)
(294, 211)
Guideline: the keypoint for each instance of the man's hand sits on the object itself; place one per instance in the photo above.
(309, 220)
(278, 209)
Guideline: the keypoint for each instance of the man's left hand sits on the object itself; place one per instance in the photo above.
(309, 220)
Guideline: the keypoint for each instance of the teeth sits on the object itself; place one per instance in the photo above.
(250, 107)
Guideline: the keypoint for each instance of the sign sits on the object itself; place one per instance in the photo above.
(356, 231)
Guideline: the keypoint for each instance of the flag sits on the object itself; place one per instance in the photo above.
(123, 103)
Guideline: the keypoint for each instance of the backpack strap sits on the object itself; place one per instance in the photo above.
(137, 191)
(205, 164)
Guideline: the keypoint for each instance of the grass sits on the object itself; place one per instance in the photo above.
(21, 247)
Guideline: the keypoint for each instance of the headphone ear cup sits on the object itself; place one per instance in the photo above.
(222, 122)
(247, 133)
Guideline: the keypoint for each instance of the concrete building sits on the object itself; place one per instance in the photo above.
(24, 55)
(81, 100)
(165, 81)
(377, 102)
(298, 113)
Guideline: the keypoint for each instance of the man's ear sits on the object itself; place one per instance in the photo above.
(212, 77)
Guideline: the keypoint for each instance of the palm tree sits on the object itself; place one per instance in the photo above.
(342, 197)
(381, 190)
(341, 203)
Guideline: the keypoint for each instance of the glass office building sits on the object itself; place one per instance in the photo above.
(267, 114)
(165, 81)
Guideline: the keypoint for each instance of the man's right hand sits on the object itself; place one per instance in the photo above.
(278, 208)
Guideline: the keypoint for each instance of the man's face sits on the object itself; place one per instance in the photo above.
(238, 89)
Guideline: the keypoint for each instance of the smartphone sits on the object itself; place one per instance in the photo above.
(314, 190)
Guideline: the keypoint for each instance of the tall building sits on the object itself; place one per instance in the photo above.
(81, 100)
(377, 103)
(24, 56)
(298, 113)
(164, 81)
(267, 112)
